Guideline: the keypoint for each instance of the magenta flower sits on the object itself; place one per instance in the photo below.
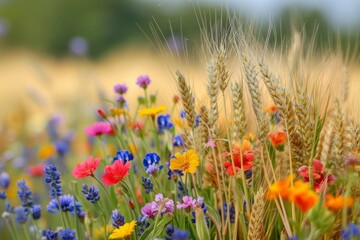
(120, 88)
(188, 203)
(319, 174)
(166, 203)
(150, 209)
(143, 81)
(99, 128)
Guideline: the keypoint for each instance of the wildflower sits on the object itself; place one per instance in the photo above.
(24, 194)
(166, 203)
(319, 176)
(177, 141)
(351, 232)
(164, 122)
(211, 143)
(99, 129)
(115, 173)
(303, 196)
(188, 203)
(3, 195)
(142, 223)
(9, 208)
(180, 235)
(117, 219)
(21, 214)
(124, 156)
(86, 168)
(278, 140)
(4, 180)
(46, 151)
(120, 88)
(143, 81)
(91, 193)
(67, 234)
(138, 126)
(52, 177)
(231, 212)
(124, 231)
(182, 191)
(169, 231)
(150, 209)
(271, 109)
(66, 204)
(280, 188)
(36, 212)
(186, 162)
(176, 99)
(247, 158)
(121, 100)
(152, 111)
(147, 184)
(150, 163)
(337, 203)
(116, 112)
(48, 234)
(101, 114)
(36, 170)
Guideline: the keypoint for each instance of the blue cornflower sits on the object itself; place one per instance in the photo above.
(169, 231)
(148, 186)
(48, 234)
(150, 163)
(180, 235)
(21, 214)
(9, 208)
(117, 219)
(124, 155)
(231, 212)
(2, 195)
(164, 122)
(142, 223)
(177, 141)
(66, 204)
(36, 212)
(24, 194)
(352, 231)
(4, 180)
(91, 194)
(182, 114)
(62, 147)
(67, 234)
(52, 177)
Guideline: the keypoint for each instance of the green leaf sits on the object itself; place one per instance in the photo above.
(156, 227)
(202, 229)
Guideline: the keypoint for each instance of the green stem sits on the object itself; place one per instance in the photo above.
(102, 186)
(104, 218)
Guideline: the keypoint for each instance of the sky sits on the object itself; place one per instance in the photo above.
(339, 13)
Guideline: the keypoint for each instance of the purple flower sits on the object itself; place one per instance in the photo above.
(67, 234)
(188, 203)
(36, 212)
(4, 180)
(120, 88)
(21, 214)
(48, 234)
(78, 46)
(150, 209)
(166, 203)
(117, 219)
(143, 81)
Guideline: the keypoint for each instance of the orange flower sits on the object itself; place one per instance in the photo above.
(303, 196)
(280, 188)
(277, 138)
(247, 160)
(271, 109)
(337, 203)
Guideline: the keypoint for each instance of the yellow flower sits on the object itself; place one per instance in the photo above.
(186, 162)
(46, 151)
(152, 111)
(123, 231)
(116, 112)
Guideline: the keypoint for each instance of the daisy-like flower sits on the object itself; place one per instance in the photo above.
(186, 162)
(115, 173)
(123, 231)
(247, 158)
(337, 203)
(99, 129)
(319, 175)
(86, 168)
(152, 111)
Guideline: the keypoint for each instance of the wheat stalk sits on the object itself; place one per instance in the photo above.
(239, 116)
(256, 230)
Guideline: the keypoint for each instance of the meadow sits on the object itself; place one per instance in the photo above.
(238, 140)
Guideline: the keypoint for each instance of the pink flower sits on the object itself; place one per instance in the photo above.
(150, 209)
(188, 203)
(99, 128)
(115, 173)
(167, 204)
(319, 175)
(86, 168)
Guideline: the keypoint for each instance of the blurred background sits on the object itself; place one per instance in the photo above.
(64, 56)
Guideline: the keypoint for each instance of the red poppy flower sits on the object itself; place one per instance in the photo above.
(115, 173)
(86, 168)
(319, 175)
(277, 138)
(247, 158)
(36, 170)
